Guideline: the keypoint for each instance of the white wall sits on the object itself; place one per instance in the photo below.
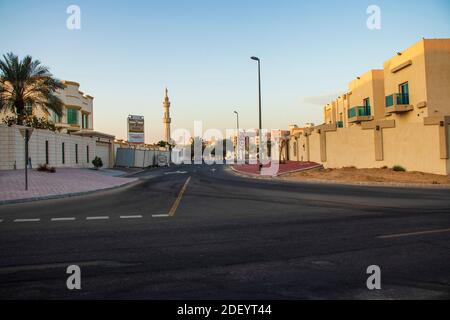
(12, 149)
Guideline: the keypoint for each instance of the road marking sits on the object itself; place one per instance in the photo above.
(63, 219)
(399, 235)
(40, 267)
(160, 215)
(178, 200)
(131, 217)
(98, 218)
(27, 220)
(1, 220)
(176, 172)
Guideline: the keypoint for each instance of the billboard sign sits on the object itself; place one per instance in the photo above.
(136, 129)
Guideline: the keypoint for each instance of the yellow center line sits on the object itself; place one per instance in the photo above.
(413, 233)
(178, 200)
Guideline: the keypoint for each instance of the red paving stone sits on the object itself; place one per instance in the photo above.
(63, 181)
(275, 168)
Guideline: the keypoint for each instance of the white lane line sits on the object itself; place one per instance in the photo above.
(27, 220)
(413, 233)
(160, 215)
(63, 219)
(131, 217)
(98, 218)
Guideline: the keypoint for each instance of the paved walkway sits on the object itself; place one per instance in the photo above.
(275, 169)
(62, 182)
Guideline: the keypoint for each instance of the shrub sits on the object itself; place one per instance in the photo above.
(30, 121)
(46, 168)
(97, 162)
(398, 168)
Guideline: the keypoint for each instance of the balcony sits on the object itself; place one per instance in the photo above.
(359, 114)
(397, 103)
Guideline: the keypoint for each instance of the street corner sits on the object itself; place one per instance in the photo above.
(64, 182)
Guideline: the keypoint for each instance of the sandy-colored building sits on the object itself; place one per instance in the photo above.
(75, 144)
(396, 116)
(366, 98)
(77, 112)
(78, 109)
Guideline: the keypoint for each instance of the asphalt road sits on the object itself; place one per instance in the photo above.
(228, 238)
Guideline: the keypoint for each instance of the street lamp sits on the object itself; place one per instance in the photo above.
(237, 120)
(260, 121)
(237, 136)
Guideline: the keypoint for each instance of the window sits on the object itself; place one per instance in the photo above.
(404, 93)
(366, 103)
(76, 153)
(84, 120)
(295, 148)
(46, 152)
(63, 154)
(55, 118)
(72, 116)
(87, 154)
(404, 88)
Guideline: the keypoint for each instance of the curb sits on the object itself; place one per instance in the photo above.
(69, 195)
(300, 170)
(336, 182)
(278, 175)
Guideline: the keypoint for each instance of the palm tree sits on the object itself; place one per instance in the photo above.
(162, 144)
(27, 82)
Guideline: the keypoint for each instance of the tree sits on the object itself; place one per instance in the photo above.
(162, 144)
(97, 162)
(27, 82)
(282, 148)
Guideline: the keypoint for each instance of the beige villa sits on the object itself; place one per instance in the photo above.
(75, 144)
(398, 115)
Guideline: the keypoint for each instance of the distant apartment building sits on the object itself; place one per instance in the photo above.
(398, 115)
(74, 144)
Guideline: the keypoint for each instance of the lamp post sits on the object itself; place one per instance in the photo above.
(237, 120)
(260, 120)
(237, 136)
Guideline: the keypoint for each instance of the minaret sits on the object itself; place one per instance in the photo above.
(166, 119)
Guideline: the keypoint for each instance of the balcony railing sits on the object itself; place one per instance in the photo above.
(397, 99)
(361, 111)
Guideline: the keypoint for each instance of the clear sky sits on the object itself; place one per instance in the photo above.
(127, 52)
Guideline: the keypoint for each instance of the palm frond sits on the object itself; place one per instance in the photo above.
(27, 81)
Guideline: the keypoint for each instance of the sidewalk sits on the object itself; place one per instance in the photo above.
(64, 182)
(276, 169)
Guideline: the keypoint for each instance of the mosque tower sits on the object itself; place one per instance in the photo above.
(166, 119)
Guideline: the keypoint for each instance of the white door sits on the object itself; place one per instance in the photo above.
(102, 151)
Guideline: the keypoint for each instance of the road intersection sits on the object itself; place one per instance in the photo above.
(208, 234)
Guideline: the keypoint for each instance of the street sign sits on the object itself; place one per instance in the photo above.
(162, 160)
(22, 132)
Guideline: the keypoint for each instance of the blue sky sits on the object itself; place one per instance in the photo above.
(127, 52)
